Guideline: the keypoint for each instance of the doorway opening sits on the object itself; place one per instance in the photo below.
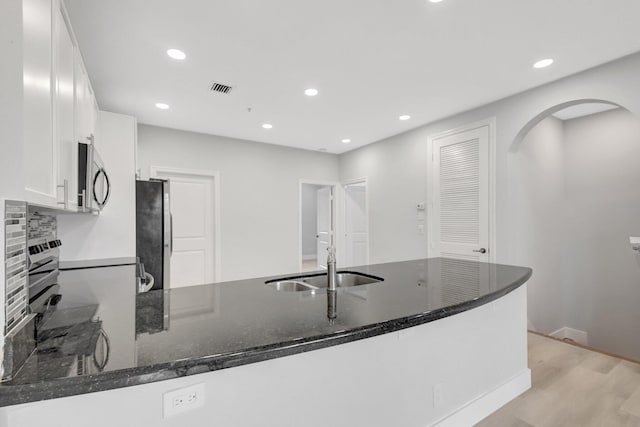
(574, 206)
(356, 223)
(317, 224)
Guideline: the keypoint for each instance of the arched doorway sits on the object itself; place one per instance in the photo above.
(576, 202)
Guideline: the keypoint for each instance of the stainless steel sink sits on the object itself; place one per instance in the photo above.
(290, 286)
(317, 281)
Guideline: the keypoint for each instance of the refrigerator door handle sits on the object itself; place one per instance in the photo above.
(170, 234)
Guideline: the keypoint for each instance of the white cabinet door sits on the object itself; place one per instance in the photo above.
(39, 142)
(65, 109)
(86, 105)
(92, 110)
(81, 99)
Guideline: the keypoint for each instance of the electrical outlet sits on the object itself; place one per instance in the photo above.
(438, 395)
(183, 399)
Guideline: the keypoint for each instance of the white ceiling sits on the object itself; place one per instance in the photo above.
(582, 110)
(371, 60)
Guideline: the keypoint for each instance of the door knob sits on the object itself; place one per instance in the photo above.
(481, 250)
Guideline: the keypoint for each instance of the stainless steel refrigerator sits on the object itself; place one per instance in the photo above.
(153, 233)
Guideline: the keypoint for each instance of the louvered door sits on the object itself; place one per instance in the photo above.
(461, 195)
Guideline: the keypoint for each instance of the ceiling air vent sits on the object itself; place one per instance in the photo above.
(220, 88)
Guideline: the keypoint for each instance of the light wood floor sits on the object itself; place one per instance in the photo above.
(573, 387)
(309, 265)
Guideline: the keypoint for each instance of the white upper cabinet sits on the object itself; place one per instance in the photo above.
(65, 109)
(60, 108)
(39, 142)
(85, 103)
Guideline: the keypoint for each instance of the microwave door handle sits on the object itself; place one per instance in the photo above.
(94, 188)
(101, 364)
(108, 183)
(105, 199)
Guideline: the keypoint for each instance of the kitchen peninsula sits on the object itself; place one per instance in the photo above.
(438, 340)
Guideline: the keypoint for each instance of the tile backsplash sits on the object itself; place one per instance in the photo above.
(15, 260)
(42, 225)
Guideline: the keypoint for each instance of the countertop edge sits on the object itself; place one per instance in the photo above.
(65, 387)
(96, 263)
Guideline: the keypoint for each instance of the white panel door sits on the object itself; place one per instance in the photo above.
(356, 225)
(192, 209)
(461, 195)
(324, 236)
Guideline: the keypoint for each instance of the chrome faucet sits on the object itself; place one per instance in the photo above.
(332, 276)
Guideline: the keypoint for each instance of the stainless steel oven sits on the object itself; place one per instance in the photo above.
(94, 186)
(43, 273)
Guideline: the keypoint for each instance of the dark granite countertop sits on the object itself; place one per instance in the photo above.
(121, 339)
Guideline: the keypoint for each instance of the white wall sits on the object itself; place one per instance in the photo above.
(382, 381)
(309, 211)
(539, 210)
(396, 173)
(259, 191)
(602, 160)
(397, 166)
(112, 234)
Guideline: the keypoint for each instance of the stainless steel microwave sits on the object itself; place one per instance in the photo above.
(94, 186)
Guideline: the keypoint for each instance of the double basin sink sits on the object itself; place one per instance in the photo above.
(312, 282)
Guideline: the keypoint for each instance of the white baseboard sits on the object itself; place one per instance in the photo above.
(581, 337)
(483, 406)
(309, 257)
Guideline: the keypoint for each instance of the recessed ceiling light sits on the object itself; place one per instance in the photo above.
(435, 1)
(267, 125)
(346, 141)
(543, 63)
(176, 54)
(162, 106)
(405, 117)
(311, 92)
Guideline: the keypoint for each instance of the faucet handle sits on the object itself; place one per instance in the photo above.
(332, 254)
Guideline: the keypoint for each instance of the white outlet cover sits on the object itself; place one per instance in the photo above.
(185, 396)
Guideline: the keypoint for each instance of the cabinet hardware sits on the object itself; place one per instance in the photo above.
(65, 192)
